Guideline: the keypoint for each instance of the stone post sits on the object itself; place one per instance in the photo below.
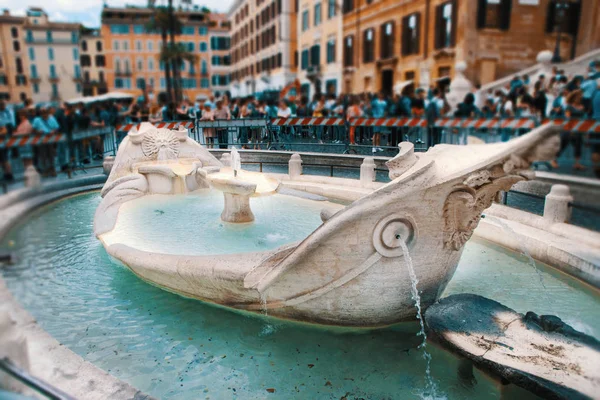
(556, 207)
(32, 177)
(367, 171)
(226, 159)
(459, 87)
(107, 165)
(295, 166)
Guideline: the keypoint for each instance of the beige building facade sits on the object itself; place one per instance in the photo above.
(15, 86)
(263, 46)
(320, 29)
(53, 50)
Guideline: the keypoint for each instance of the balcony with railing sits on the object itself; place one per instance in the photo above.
(53, 78)
(123, 74)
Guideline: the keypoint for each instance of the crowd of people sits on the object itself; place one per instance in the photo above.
(555, 96)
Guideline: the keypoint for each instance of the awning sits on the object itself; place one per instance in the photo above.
(399, 86)
(102, 97)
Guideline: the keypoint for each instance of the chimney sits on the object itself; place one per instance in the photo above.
(6, 11)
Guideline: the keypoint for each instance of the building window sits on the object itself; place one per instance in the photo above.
(75, 54)
(19, 64)
(138, 45)
(140, 64)
(33, 71)
(369, 46)
(52, 71)
(14, 32)
(348, 51)
(347, 6)
(494, 14)
(100, 60)
(85, 60)
(203, 67)
(77, 71)
(29, 37)
(36, 88)
(21, 80)
(125, 45)
(317, 18)
(219, 43)
(118, 29)
(304, 59)
(203, 47)
(305, 21)
(54, 90)
(150, 45)
(16, 46)
(315, 55)
(49, 36)
(203, 31)
(150, 64)
(116, 45)
(98, 46)
(204, 83)
(50, 54)
(331, 51)
(191, 46)
(565, 14)
(126, 65)
(188, 30)
(445, 25)
(387, 40)
(139, 29)
(83, 46)
(410, 34)
(74, 38)
(331, 8)
(117, 65)
(140, 83)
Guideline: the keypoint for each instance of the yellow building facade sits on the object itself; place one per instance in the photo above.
(15, 85)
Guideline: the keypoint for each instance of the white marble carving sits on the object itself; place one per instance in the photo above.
(349, 271)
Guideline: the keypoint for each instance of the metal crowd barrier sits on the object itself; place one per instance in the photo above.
(69, 150)
(337, 135)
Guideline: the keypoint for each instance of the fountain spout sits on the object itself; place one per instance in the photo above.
(236, 162)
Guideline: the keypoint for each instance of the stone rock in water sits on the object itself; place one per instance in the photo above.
(538, 353)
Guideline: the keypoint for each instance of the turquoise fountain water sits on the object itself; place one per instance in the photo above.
(175, 348)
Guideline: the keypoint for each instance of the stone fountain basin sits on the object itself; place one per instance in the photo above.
(265, 185)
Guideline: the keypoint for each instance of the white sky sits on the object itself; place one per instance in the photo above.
(87, 12)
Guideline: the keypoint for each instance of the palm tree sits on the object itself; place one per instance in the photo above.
(175, 55)
(160, 23)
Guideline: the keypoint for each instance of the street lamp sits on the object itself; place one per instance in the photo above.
(560, 11)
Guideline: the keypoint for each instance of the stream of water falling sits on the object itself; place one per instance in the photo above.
(430, 385)
(268, 328)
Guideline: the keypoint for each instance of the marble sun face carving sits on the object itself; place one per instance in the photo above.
(160, 144)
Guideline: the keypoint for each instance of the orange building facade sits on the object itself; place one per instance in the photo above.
(388, 43)
(132, 53)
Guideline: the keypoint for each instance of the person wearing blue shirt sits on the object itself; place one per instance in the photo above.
(378, 109)
(588, 87)
(7, 124)
(46, 124)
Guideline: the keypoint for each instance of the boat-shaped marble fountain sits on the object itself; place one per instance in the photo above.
(350, 271)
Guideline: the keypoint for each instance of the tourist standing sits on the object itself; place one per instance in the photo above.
(209, 133)
(45, 125)
(378, 110)
(221, 113)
